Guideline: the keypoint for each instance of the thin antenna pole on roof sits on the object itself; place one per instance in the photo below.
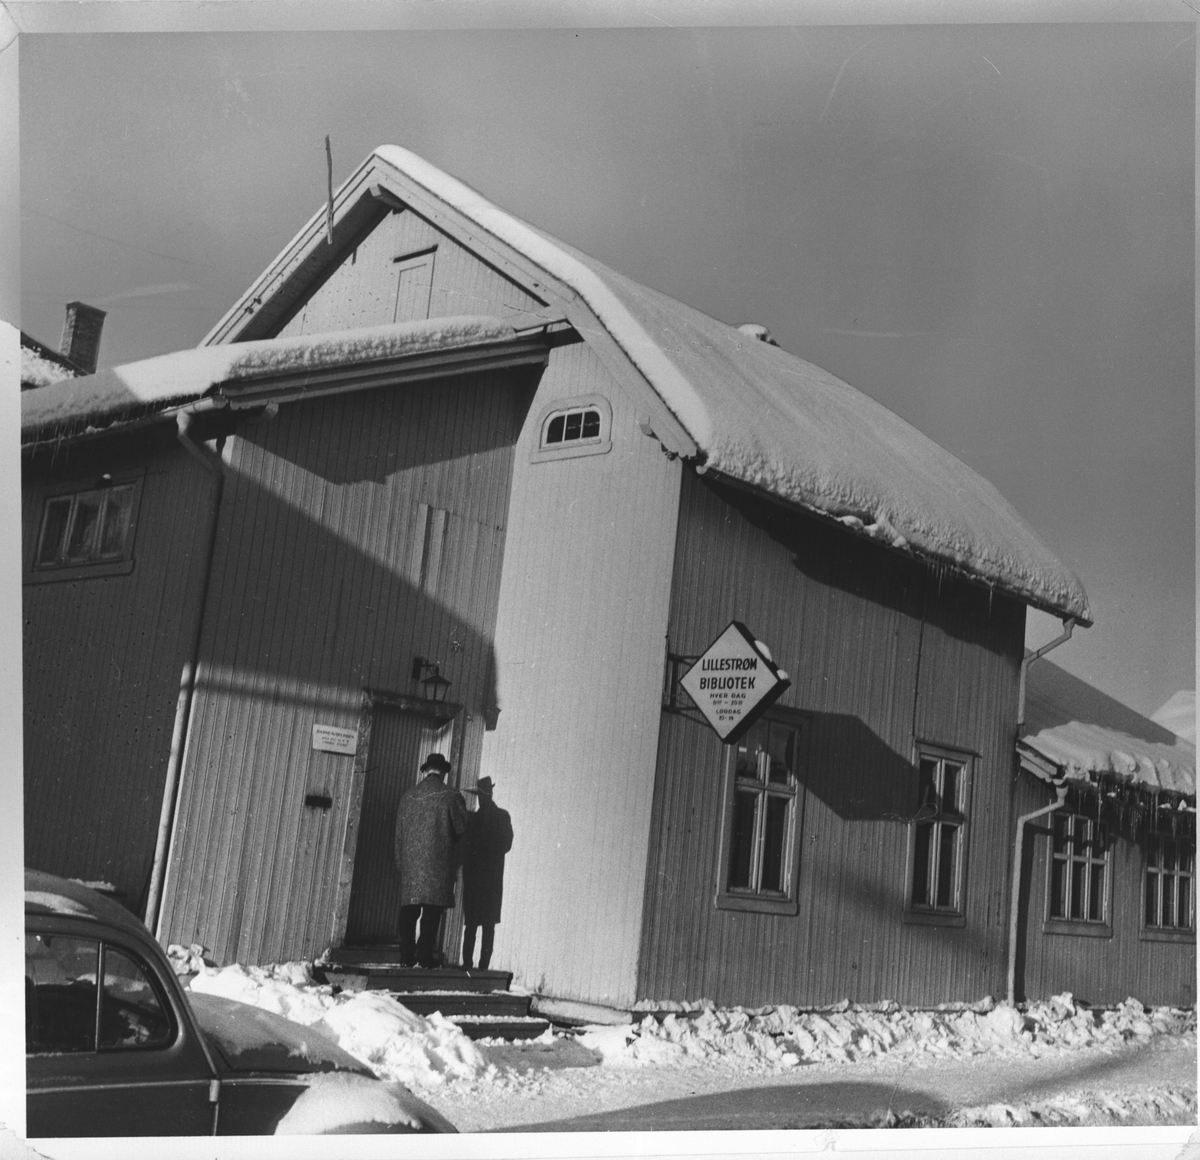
(329, 205)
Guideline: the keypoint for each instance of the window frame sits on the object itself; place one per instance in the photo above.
(598, 445)
(1079, 927)
(35, 573)
(104, 943)
(1178, 934)
(785, 902)
(925, 914)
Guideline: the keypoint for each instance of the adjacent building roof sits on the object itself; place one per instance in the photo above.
(1088, 736)
(41, 366)
(1179, 715)
(185, 376)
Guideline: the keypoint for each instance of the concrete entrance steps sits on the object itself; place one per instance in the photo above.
(478, 1001)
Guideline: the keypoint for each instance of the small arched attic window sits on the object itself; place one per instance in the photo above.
(572, 427)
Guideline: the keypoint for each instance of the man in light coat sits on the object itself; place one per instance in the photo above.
(429, 820)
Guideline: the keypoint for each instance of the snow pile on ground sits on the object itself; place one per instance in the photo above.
(370, 1025)
(780, 1037)
(1167, 1105)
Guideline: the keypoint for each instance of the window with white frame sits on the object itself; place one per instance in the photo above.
(1079, 872)
(1170, 891)
(571, 427)
(87, 528)
(763, 796)
(938, 835)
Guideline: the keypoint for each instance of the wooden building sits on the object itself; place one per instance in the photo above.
(445, 445)
(1107, 888)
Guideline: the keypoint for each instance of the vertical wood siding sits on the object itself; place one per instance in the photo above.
(579, 644)
(1097, 970)
(372, 288)
(879, 655)
(102, 661)
(314, 598)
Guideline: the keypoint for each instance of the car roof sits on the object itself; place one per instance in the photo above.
(48, 894)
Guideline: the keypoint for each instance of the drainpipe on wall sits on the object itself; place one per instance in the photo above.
(1069, 623)
(187, 681)
(1014, 916)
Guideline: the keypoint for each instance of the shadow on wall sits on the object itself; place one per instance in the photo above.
(405, 428)
(855, 772)
(852, 564)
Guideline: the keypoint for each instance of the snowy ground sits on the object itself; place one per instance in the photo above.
(1054, 1062)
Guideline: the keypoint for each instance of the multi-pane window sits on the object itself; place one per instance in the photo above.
(759, 850)
(86, 527)
(1170, 875)
(939, 834)
(579, 423)
(574, 427)
(1078, 870)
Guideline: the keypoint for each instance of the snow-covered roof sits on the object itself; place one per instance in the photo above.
(1178, 714)
(1091, 736)
(41, 366)
(769, 419)
(183, 376)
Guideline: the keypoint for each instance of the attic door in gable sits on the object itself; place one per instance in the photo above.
(387, 277)
(406, 269)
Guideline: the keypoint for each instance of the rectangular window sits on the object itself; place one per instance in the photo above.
(1078, 887)
(1170, 899)
(87, 531)
(938, 836)
(758, 852)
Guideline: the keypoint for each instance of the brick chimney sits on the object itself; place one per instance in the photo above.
(81, 336)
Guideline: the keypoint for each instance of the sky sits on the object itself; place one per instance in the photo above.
(987, 228)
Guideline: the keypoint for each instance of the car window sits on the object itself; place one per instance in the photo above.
(132, 1014)
(60, 993)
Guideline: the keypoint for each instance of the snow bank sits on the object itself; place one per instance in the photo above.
(781, 424)
(186, 375)
(1169, 1104)
(779, 1037)
(370, 1025)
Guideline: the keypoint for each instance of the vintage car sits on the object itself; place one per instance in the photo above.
(137, 1055)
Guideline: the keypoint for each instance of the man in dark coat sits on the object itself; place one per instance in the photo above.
(429, 820)
(488, 838)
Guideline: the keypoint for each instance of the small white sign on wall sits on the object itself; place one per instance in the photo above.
(332, 739)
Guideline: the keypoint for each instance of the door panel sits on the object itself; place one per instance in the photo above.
(400, 741)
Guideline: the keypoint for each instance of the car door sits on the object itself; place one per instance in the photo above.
(120, 1059)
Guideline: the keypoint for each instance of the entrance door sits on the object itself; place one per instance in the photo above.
(400, 740)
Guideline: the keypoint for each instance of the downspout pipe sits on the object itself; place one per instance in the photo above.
(187, 680)
(1068, 627)
(1014, 909)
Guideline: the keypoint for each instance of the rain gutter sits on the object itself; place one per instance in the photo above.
(1068, 623)
(213, 465)
(1014, 909)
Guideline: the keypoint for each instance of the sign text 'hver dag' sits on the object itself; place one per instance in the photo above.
(734, 682)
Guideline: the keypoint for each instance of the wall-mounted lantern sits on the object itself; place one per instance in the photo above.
(434, 686)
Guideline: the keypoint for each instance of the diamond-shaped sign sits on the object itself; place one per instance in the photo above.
(734, 682)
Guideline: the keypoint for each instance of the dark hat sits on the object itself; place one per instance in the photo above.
(435, 762)
(484, 786)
